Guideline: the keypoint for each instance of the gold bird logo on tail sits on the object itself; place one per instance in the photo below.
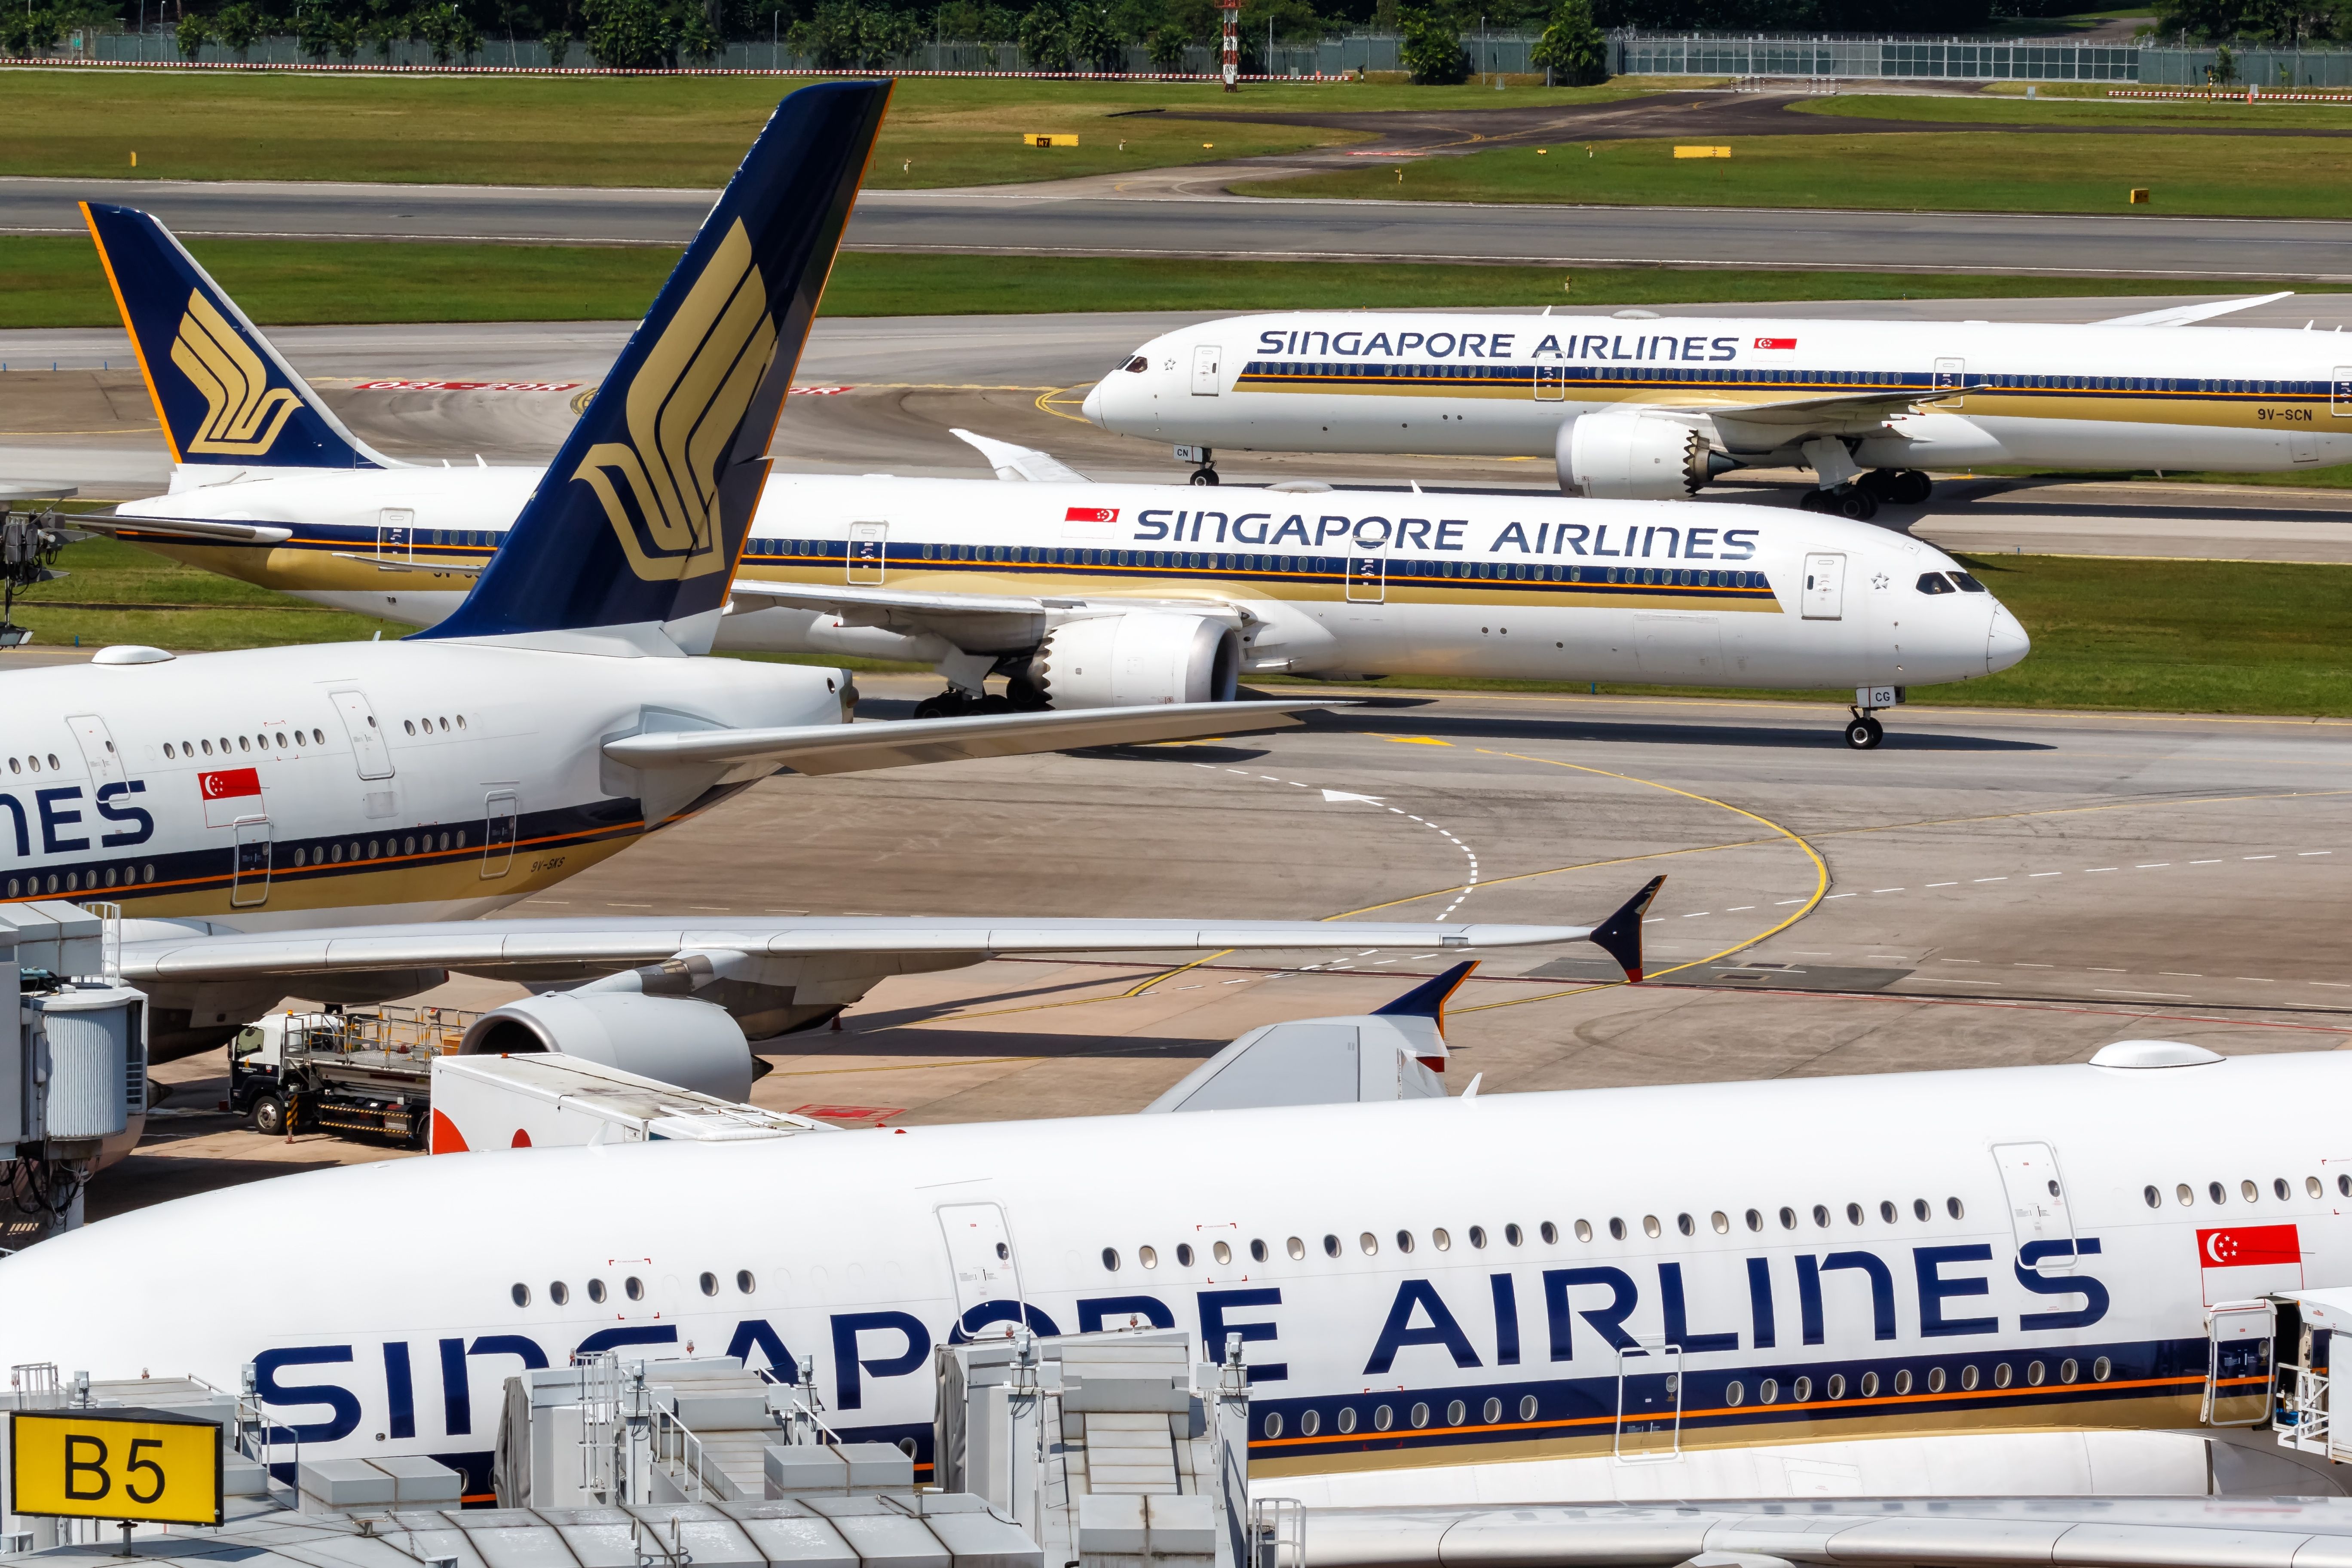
(660, 487)
(243, 412)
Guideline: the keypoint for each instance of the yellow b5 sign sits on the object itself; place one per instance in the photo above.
(145, 1465)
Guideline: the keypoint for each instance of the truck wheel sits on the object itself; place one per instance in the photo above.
(270, 1116)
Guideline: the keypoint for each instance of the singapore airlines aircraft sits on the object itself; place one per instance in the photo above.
(244, 808)
(1632, 405)
(1420, 1283)
(1081, 595)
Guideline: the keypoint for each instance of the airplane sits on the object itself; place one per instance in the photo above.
(330, 818)
(1522, 1282)
(1632, 405)
(1067, 589)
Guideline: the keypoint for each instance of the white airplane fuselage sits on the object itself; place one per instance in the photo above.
(2247, 400)
(1335, 583)
(1507, 1278)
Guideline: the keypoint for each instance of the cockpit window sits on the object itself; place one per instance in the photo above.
(1967, 584)
(1934, 583)
(1139, 364)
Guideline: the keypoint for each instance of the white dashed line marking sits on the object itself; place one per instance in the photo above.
(2030, 875)
(2097, 868)
(2033, 966)
(1992, 878)
(2160, 865)
(1738, 909)
(2204, 862)
(2301, 853)
(1943, 884)
(1839, 896)
(2180, 975)
(2257, 857)
(1888, 890)
(2168, 996)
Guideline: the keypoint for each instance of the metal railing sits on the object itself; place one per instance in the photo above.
(2302, 1418)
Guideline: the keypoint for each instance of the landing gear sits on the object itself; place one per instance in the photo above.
(952, 703)
(1847, 501)
(1205, 475)
(1897, 487)
(1864, 733)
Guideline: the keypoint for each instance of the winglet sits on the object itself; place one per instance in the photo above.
(1012, 462)
(1428, 999)
(224, 394)
(640, 520)
(1619, 936)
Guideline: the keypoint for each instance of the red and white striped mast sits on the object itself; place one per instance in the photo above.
(1233, 13)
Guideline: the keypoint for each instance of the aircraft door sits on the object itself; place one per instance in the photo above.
(1951, 373)
(869, 551)
(396, 534)
(2238, 1364)
(979, 1255)
(2038, 1211)
(1552, 382)
(1366, 580)
(498, 834)
(1208, 362)
(97, 748)
(249, 884)
(1824, 587)
(1649, 1400)
(368, 748)
(2339, 392)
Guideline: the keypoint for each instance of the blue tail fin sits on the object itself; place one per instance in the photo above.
(223, 396)
(643, 514)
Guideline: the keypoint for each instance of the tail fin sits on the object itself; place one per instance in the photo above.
(225, 397)
(641, 517)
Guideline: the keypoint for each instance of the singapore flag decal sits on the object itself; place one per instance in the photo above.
(2246, 1262)
(230, 793)
(1091, 514)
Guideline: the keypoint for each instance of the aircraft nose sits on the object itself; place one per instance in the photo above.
(2005, 642)
(1093, 407)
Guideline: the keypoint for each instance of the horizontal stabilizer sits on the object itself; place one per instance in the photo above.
(1012, 462)
(2183, 315)
(222, 393)
(189, 531)
(819, 749)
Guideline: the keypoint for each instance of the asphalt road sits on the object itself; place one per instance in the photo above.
(1186, 213)
(1993, 888)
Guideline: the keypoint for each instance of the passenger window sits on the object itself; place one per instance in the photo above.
(1616, 1230)
(1886, 1210)
(634, 1288)
(2251, 1192)
(521, 1294)
(1477, 1236)
(1755, 1220)
(1919, 1209)
(1584, 1230)
(167, 750)
(1222, 1253)
(1183, 1255)
(1404, 1241)
(2154, 1199)
(2217, 1192)
(2311, 1186)
(1110, 1260)
(1957, 1209)
(1370, 1242)
(1442, 1241)
(595, 1289)
(1787, 1219)
(1854, 1213)
(1258, 1251)
(2282, 1189)
(1721, 1221)
(1146, 1255)
(1821, 1215)
(1297, 1248)
(1330, 1246)
(1513, 1235)
(709, 1282)
(559, 1292)
(1551, 1233)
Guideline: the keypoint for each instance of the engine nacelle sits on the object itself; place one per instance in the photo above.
(676, 1039)
(1128, 662)
(1634, 457)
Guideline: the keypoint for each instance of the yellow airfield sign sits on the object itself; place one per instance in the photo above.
(151, 1466)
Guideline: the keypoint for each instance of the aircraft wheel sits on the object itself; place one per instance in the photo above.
(1205, 476)
(1910, 488)
(1864, 733)
(270, 1116)
(993, 703)
(1856, 503)
(1816, 500)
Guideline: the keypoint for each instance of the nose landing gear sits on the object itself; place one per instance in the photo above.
(1206, 474)
(1863, 732)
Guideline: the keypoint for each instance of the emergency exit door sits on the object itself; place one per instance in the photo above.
(498, 834)
(97, 748)
(1649, 1400)
(1366, 580)
(1824, 587)
(250, 883)
(1951, 374)
(1208, 370)
(368, 748)
(979, 1255)
(2339, 392)
(1552, 382)
(396, 534)
(2238, 1364)
(869, 549)
(2039, 1215)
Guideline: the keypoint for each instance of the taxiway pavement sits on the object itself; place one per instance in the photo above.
(1991, 886)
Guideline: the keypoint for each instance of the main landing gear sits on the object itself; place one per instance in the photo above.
(1847, 501)
(955, 702)
(1897, 487)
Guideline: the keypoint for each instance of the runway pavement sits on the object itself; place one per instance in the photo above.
(1991, 887)
(893, 388)
(1187, 213)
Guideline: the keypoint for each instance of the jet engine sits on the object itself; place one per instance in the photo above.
(676, 1039)
(1127, 661)
(1634, 457)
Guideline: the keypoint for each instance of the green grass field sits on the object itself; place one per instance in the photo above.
(2236, 176)
(56, 282)
(638, 130)
(2086, 107)
(2170, 636)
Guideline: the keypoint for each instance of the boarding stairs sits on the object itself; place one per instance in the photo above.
(713, 1420)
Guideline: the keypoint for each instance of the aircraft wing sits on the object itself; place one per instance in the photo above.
(460, 568)
(115, 524)
(1012, 462)
(506, 948)
(1807, 412)
(903, 609)
(2182, 315)
(820, 748)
